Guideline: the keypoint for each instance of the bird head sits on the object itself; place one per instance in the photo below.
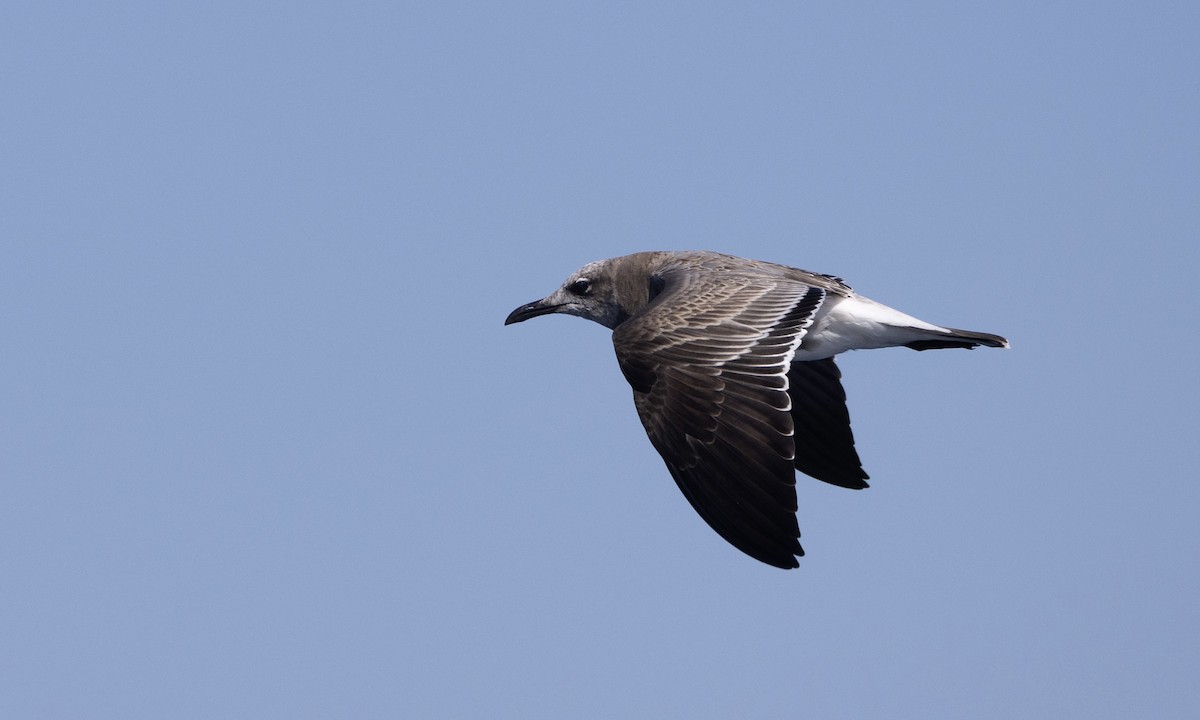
(589, 292)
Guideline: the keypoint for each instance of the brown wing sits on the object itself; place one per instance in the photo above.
(824, 441)
(708, 361)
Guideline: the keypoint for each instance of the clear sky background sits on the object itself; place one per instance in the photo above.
(267, 451)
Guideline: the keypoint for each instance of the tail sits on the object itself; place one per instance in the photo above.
(954, 338)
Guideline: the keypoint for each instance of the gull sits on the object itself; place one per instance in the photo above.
(731, 362)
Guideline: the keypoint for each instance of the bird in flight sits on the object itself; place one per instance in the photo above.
(732, 367)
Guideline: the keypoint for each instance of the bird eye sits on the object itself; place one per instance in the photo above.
(582, 286)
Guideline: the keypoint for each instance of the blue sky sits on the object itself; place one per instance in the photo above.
(267, 450)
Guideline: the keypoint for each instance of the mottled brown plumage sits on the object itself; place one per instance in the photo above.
(731, 364)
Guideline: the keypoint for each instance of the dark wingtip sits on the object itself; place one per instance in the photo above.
(788, 562)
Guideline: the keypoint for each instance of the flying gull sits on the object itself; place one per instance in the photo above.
(731, 363)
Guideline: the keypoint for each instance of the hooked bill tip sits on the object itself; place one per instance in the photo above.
(530, 310)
